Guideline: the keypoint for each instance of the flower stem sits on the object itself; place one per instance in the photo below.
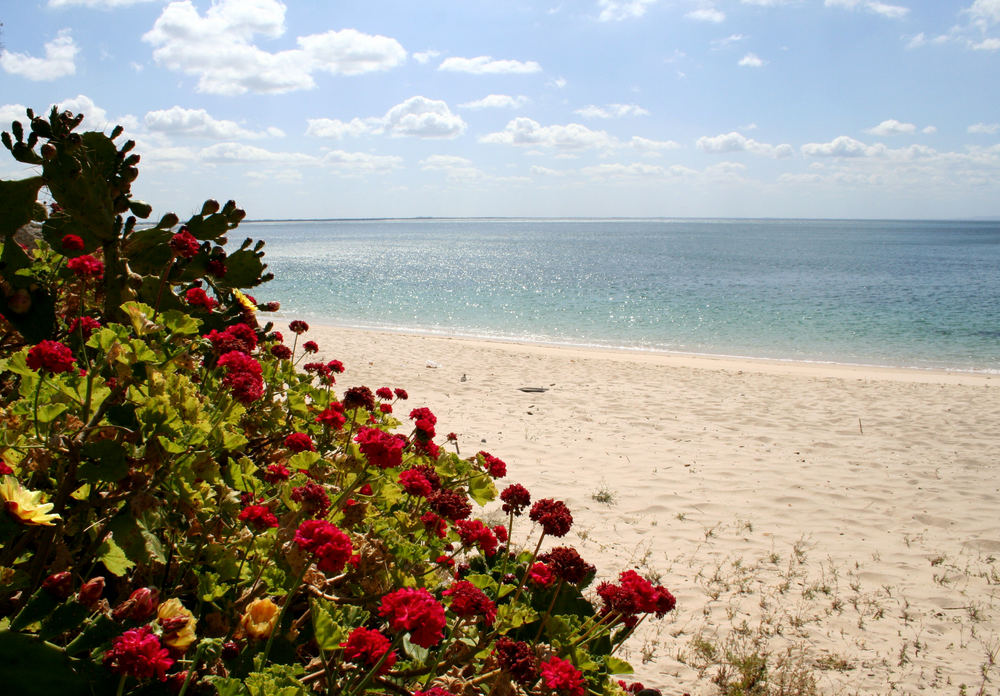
(284, 610)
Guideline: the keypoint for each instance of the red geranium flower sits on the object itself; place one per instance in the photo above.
(184, 244)
(475, 533)
(300, 442)
(196, 297)
(553, 515)
(298, 327)
(450, 504)
(85, 325)
(51, 356)
(518, 659)
(414, 483)
(469, 601)
(72, 242)
(401, 394)
(434, 524)
(413, 609)
(541, 575)
(494, 466)
(567, 564)
(359, 397)
(310, 347)
(333, 416)
(366, 647)
(329, 544)
(258, 516)
(560, 675)
(276, 473)
(382, 449)
(384, 393)
(313, 498)
(243, 376)
(281, 352)
(515, 498)
(86, 266)
(138, 653)
(236, 337)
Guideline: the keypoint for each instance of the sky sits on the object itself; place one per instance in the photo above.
(556, 108)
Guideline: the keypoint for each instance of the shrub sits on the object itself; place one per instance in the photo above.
(186, 512)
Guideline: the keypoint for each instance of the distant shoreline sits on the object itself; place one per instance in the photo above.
(994, 219)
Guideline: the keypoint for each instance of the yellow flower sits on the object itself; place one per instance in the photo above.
(25, 505)
(178, 624)
(244, 301)
(259, 619)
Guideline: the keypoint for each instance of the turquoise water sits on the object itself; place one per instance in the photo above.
(899, 293)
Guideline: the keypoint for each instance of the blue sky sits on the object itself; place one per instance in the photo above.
(707, 108)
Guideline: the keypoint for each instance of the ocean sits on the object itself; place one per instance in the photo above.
(922, 294)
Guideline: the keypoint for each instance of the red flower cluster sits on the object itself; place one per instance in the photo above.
(138, 653)
(217, 266)
(553, 515)
(401, 394)
(300, 442)
(281, 352)
(384, 393)
(236, 337)
(366, 647)
(85, 325)
(184, 244)
(51, 356)
(5, 469)
(475, 533)
(541, 575)
(313, 498)
(359, 397)
(72, 242)
(434, 524)
(277, 473)
(259, 517)
(494, 466)
(469, 601)
(243, 376)
(413, 609)
(310, 347)
(298, 327)
(329, 544)
(635, 595)
(332, 416)
(382, 449)
(517, 659)
(415, 483)
(86, 266)
(450, 504)
(515, 498)
(567, 565)
(560, 675)
(196, 297)
(424, 422)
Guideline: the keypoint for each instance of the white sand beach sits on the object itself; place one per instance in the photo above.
(839, 519)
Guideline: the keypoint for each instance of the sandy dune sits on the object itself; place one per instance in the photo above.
(841, 520)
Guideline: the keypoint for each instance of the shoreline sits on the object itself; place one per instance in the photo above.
(710, 361)
(841, 516)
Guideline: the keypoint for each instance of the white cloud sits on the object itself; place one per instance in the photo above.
(496, 101)
(197, 122)
(767, 3)
(545, 171)
(485, 65)
(526, 132)
(355, 163)
(929, 130)
(96, 4)
(95, 118)
(418, 117)
(58, 62)
(750, 60)
(13, 112)
(558, 82)
(217, 48)
(892, 127)
(617, 10)
(843, 146)
(230, 153)
(652, 147)
(984, 12)
(707, 14)
(983, 128)
(879, 8)
(612, 111)
(917, 41)
(636, 170)
(737, 142)
(421, 117)
(718, 44)
(425, 56)
(989, 44)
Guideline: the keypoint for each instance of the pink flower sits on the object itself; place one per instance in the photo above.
(560, 675)
(415, 610)
(331, 547)
(300, 442)
(51, 356)
(138, 653)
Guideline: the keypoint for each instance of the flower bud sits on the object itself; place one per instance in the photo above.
(90, 592)
(140, 606)
(48, 151)
(59, 585)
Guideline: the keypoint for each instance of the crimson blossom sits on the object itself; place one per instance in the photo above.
(515, 498)
(184, 244)
(243, 376)
(236, 337)
(560, 675)
(553, 515)
(413, 609)
(468, 601)
(517, 659)
(51, 356)
(196, 297)
(298, 327)
(72, 242)
(366, 647)
(259, 517)
(382, 449)
(138, 653)
(475, 533)
(567, 565)
(332, 416)
(331, 547)
(414, 483)
(300, 442)
(494, 466)
(634, 595)
(86, 266)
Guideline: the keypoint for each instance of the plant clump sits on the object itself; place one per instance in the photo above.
(186, 511)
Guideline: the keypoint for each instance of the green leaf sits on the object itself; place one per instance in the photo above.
(180, 323)
(242, 472)
(512, 616)
(209, 587)
(17, 201)
(415, 651)
(243, 269)
(108, 462)
(139, 314)
(233, 441)
(482, 488)
(483, 582)
(125, 532)
(327, 629)
(32, 666)
(227, 686)
(49, 412)
(114, 558)
(616, 666)
(171, 446)
(68, 616)
(304, 460)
